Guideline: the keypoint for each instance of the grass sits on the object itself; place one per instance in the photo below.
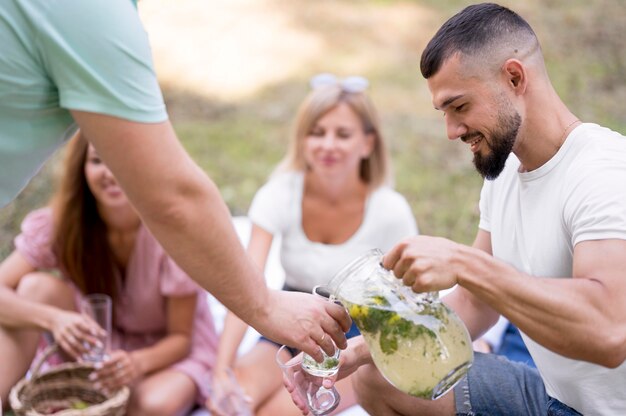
(232, 88)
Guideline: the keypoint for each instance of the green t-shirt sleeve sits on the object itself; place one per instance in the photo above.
(97, 54)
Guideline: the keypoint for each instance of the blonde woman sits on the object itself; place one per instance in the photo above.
(329, 200)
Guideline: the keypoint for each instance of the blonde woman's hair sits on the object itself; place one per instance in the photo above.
(375, 169)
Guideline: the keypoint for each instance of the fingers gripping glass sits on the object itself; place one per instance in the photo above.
(309, 387)
(352, 83)
(330, 365)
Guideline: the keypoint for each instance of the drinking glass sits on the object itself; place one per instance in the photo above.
(330, 365)
(98, 307)
(318, 398)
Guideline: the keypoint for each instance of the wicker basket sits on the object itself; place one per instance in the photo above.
(61, 387)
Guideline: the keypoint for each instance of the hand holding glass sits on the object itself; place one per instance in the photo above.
(228, 398)
(98, 307)
(308, 385)
(330, 365)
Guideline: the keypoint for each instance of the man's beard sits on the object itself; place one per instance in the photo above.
(500, 144)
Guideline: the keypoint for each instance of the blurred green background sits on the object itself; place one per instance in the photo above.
(234, 71)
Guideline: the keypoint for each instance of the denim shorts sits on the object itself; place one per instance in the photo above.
(495, 386)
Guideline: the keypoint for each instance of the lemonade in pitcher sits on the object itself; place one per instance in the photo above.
(418, 343)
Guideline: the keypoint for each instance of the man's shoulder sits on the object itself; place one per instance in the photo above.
(597, 148)
(594, 139)
(598, 131)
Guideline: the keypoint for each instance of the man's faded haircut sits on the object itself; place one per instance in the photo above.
(485, 30)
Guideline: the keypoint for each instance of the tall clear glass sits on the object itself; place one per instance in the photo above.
(98, 307)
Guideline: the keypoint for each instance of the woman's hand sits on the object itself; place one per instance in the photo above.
(118, 371)
(227, 397)
(219, 387)
(75, 333)
(354, 356)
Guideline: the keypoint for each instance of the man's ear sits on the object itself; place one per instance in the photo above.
(516, 75)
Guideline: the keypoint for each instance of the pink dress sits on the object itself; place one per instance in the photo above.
(140, 309)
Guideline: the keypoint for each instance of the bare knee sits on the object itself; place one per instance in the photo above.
(150, 402)
(257, 373)
(378, 397)
(368, 386)
(166, 393)
(46, 288)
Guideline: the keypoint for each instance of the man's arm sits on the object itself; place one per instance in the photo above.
(582, 318)
(183, 208)
(477, 316)
(234, 329)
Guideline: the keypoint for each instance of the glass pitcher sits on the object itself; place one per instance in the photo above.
(419, 345)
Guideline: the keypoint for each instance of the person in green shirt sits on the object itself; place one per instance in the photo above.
(70, 63)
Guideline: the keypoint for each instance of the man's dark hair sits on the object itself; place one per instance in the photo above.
(473, 30)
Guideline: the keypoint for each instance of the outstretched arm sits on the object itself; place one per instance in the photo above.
(184, 210)
(234, 328)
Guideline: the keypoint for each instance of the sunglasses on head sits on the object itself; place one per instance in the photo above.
(352, 83)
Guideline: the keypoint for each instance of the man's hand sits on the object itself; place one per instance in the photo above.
(304, 321)
(426, 264)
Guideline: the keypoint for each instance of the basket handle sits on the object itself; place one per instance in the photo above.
(47, 352)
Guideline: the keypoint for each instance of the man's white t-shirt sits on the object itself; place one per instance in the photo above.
(277, 208)
(536, 219)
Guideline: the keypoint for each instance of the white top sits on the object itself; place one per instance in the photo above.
(277, 208)
(535, 220)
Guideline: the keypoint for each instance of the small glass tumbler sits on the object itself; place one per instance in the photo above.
(98, 307)
(330, 365)
(318, 398)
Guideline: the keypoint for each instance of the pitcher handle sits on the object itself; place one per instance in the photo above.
(324, 291)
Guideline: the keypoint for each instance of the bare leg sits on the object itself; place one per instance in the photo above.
(18, 346)
(378, 397)
(259, 375)
(167, 393)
